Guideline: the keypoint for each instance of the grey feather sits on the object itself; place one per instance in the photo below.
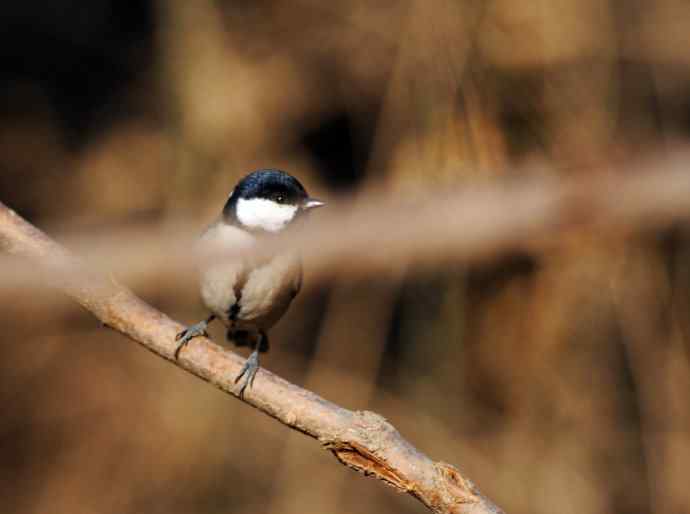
(261, 291)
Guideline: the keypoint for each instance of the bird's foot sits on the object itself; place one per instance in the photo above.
(198, 329)
(248, 371)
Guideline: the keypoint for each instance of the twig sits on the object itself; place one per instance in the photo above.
(361, 440)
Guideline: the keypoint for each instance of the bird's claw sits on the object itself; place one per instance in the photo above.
(189, 333)
(248, 371)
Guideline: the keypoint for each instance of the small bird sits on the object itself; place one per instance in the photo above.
(250, 295)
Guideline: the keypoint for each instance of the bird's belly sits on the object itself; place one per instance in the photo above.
(260, 317)
(267, 293)
(262, 294)
(218, 288)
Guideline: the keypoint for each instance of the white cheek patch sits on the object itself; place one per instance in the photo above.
(264, 214)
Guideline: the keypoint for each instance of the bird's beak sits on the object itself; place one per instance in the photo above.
(312, 203)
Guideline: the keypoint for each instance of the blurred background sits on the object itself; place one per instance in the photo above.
(558, 381)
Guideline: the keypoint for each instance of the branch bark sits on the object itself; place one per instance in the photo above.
(363, 441)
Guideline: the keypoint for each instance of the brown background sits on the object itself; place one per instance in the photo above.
(558, 380)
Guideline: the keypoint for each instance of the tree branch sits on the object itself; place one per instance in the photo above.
(361, 440)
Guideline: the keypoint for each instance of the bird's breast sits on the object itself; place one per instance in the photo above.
(244, 292)
(268, 291)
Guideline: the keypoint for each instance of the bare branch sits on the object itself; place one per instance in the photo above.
(362, 440)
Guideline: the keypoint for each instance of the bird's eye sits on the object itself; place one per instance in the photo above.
(279, 198)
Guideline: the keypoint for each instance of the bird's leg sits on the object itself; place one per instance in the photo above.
(198, 329)
(248, 371)
(262, 345)
(251, 366)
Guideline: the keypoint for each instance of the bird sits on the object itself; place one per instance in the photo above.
(249, 295)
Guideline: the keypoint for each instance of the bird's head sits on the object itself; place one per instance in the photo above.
(267, 200)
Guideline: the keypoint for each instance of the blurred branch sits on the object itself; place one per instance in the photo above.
(378, 233)
(363, 441)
